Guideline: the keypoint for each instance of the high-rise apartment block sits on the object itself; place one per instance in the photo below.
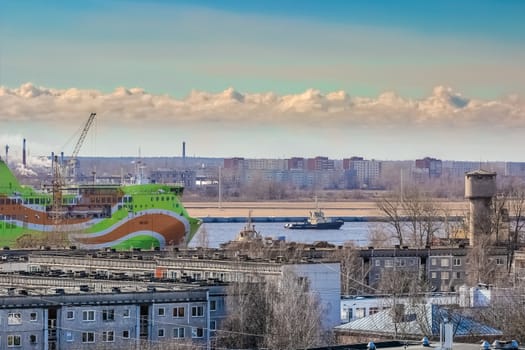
(431, 166)
(516, 169)
(361, 172)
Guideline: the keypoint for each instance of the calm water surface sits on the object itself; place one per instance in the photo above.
(356, 232)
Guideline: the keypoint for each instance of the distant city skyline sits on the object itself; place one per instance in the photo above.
(379, 79)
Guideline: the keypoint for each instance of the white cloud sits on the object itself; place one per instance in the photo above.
(232, 123)
(443, 107)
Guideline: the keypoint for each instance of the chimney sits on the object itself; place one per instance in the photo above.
(6, 154)
(183, 149)
(24, 153)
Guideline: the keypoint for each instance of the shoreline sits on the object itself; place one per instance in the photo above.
(354, 211)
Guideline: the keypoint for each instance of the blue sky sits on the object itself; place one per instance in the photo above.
(365, 48)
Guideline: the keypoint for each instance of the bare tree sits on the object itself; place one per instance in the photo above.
(392, 208)
(421, 215)
(412, 219)
(275, 314)
(516, 213)
(352, 270)
(505, 313)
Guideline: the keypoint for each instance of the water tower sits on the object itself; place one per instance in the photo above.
(480, 189)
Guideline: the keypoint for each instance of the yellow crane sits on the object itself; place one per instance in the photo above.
(72, 161)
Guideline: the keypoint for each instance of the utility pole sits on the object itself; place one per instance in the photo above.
(220, 187)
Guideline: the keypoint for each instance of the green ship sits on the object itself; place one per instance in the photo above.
(145, 216)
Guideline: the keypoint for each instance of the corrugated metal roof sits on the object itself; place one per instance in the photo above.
(419, 320)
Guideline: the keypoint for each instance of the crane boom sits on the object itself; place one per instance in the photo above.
(72, 160)
(82, 137)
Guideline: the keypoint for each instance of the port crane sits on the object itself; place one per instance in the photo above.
(69, 171)
(72, 161)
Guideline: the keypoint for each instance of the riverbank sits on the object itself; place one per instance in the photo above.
(354, 209)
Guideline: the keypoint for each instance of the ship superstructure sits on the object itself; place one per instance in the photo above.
(93, 216)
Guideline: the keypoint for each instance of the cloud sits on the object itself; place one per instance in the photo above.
(442, 108)
(445, 123)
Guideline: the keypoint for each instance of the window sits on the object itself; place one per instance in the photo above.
(70, 315)
(445, 275)
(161, 311)
(69, 336)
(161, 332)
(213, 325)
(499, 261)
(388, 263)
(434, 274)
(373, 310)
(32, 339)
(213, 305)
(457, 275)
(360, 312)
(350, 314)
(125, 334)
(108, 336)
(178, 332)
(14, 340)
(178, 311)
(88, 337)
(14, 318)
(126, 313)
(434, 261)
(444, 262)
(197, 332)
(400, 262)
(197, 311)
(378, 262)
(108, 315)
(457, 262)
(32, 316)
(88, 315)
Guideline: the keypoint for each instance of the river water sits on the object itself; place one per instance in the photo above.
(355, 232)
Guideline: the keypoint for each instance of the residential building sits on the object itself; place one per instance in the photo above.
(187, 177)
(515, 169)
(431, 166)
(444, 268)
(323, 277)
(362, 173)
(93, 315)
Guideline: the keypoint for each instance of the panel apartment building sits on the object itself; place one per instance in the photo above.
(96, 315)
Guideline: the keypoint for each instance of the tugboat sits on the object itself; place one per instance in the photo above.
(248, 232)
(316, 221)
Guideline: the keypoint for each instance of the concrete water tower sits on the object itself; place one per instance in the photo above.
(480, 189)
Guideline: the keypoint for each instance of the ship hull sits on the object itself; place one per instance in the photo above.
(335, 225)
(93, 216)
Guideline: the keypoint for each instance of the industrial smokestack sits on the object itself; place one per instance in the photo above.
(24, 153)
(6, 155)
(61, 158)
(183, 149)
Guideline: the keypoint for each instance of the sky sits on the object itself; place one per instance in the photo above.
(391, 80)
